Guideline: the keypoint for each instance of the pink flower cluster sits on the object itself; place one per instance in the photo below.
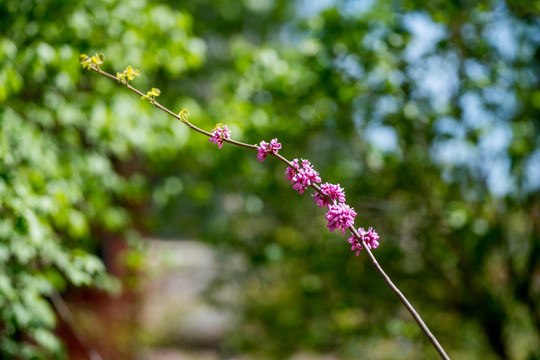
(303, 177)
(220, 132)
(370, 237)
(334, 192)
(340, 216)
(266, 148)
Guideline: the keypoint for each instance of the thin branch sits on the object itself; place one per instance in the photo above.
(374, 262)
(401, 297)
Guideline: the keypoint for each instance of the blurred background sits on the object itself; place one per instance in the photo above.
(123, 235)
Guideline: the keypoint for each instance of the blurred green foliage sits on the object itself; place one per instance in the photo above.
(425, 112)
(72, 147)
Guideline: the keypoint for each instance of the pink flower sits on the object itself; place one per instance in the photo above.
(291, 171)
(335, 192)
(261, 150)
(303, 177)
(340, 216)
(266, 148)
(274, 146)
(370, 237)
(220, 132)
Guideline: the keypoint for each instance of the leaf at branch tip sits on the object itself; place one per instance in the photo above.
(85, 61)
(132, 73)
(127, 75)
(218, 125)
(151, 95)
(91, 62)
(98, 59)
(184, 115)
